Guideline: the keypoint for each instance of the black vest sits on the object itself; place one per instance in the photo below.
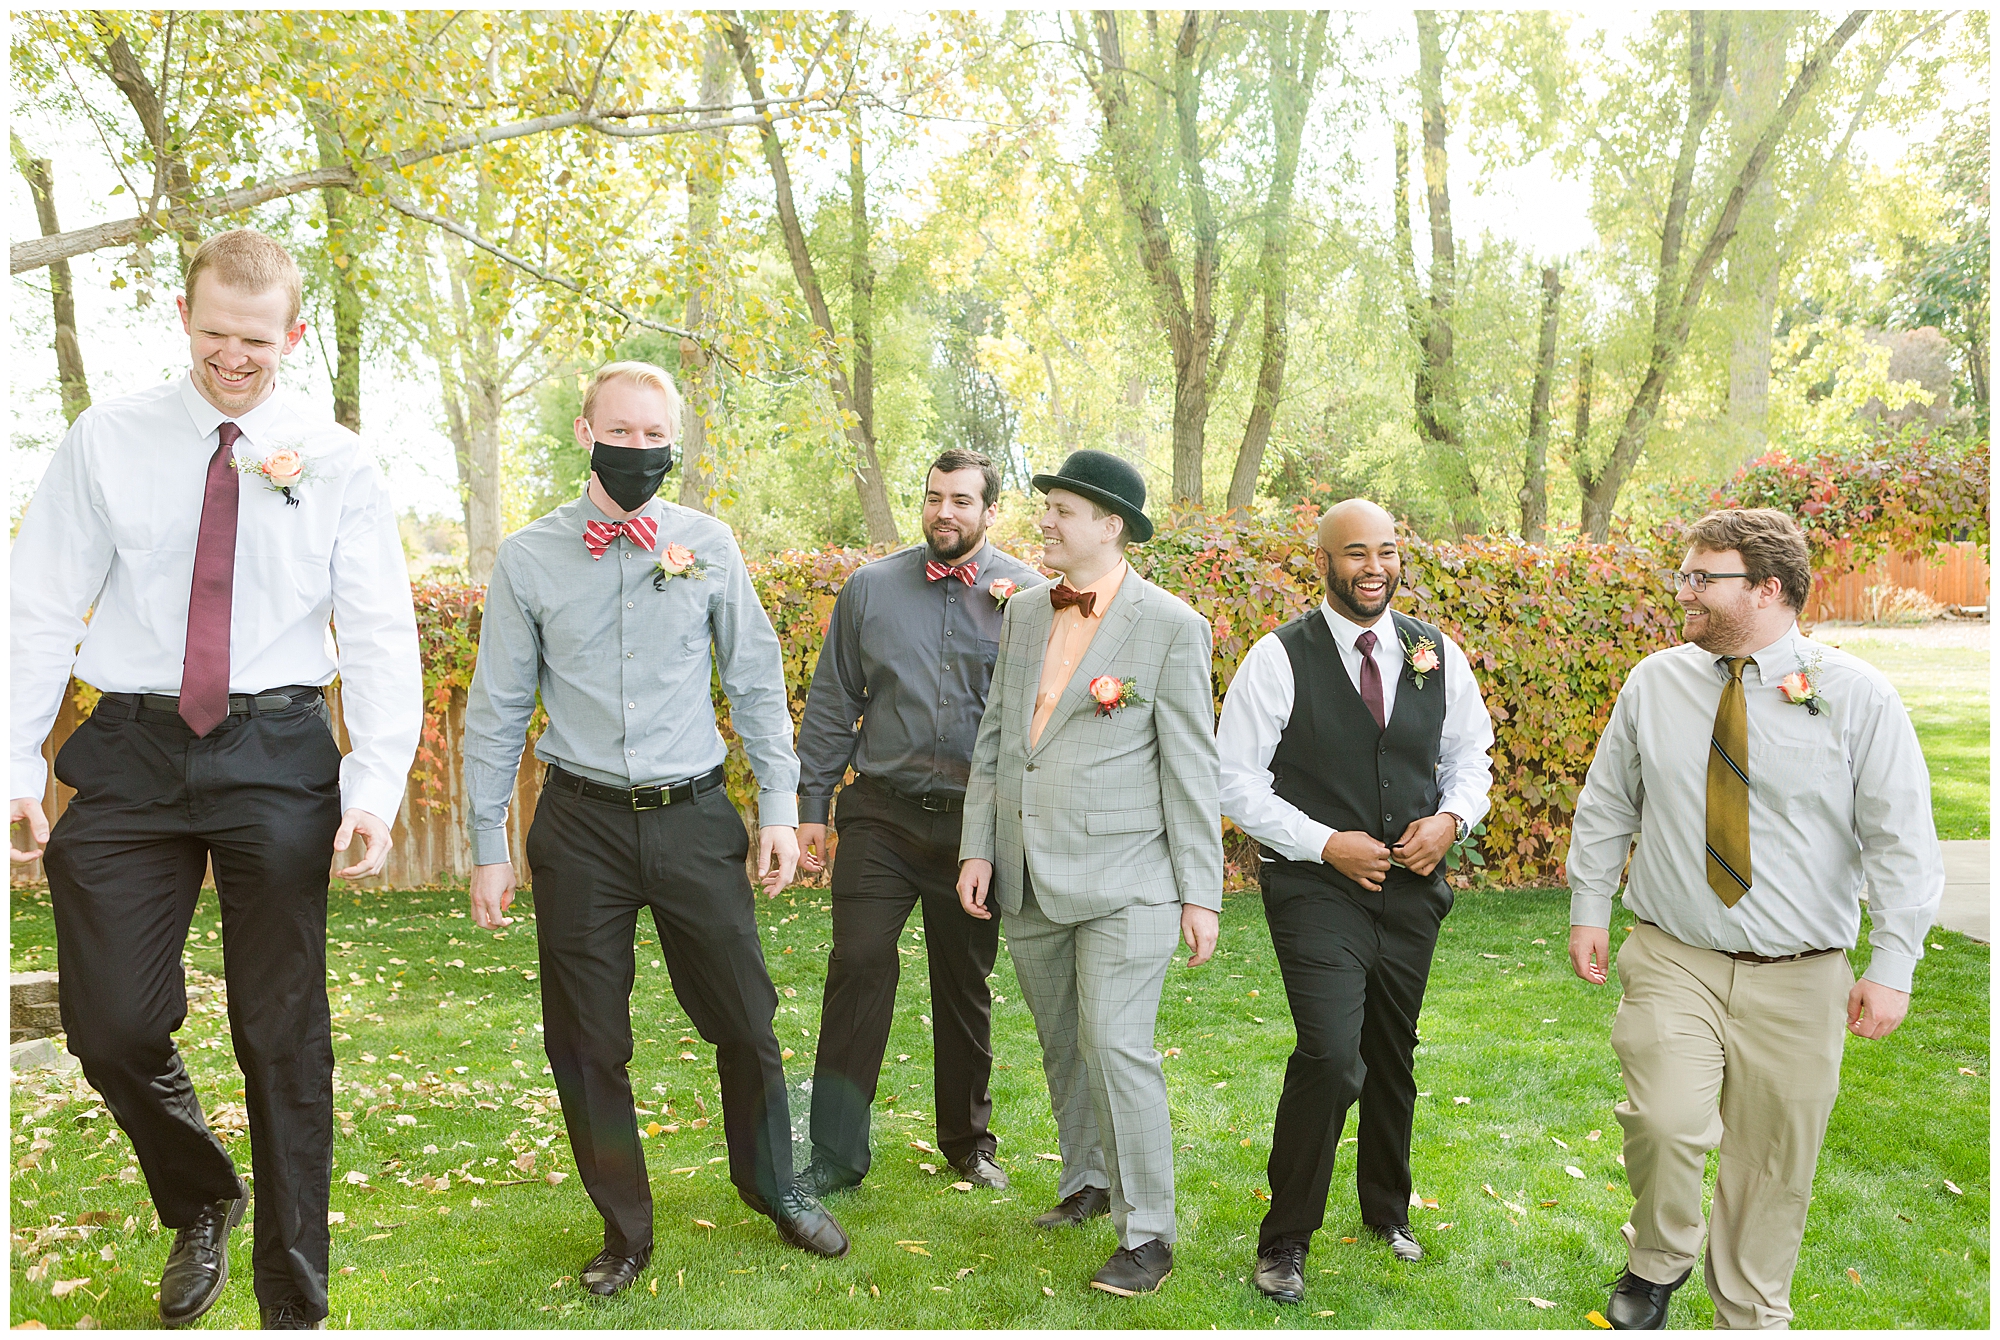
(1334, 763)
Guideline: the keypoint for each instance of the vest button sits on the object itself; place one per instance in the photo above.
(1385, 786)
(1388, 818)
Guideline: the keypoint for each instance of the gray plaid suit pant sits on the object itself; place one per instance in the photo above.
(1094, 989)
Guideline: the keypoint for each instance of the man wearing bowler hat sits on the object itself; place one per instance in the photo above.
(1091, 818)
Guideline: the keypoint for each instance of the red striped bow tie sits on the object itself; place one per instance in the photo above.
(640, 530)
(965, 572)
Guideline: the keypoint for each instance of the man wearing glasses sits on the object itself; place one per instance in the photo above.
(1765, 778)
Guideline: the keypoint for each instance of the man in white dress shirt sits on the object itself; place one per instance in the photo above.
(1766, 778)
(1354, 749)
(211, 527)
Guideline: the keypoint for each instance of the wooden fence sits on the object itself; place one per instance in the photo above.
(1954, 575)
(429, 834)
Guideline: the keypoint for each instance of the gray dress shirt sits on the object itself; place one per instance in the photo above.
(623, 669)
(912, 660)
(1835, 799)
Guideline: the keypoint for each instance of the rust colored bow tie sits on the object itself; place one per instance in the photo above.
(1062, 595)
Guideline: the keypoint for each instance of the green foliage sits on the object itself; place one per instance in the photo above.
(1906, 494)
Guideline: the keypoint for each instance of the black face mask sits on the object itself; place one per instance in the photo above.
(631, 475)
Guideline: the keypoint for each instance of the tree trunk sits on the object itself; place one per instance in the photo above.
(1535, 478)
(1579, 440)
(40, 173)
(1749, 291)
(860, 278)
(1442, 426)
(474, 399)
(171, 177)
(1293, 75)
(346, 301)
(701, 380)
(1676, 301)
(868, 481)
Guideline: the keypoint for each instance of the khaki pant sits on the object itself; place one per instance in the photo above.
(1740, 1057)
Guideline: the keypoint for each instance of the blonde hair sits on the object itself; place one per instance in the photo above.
(246, 259)
(643, 374)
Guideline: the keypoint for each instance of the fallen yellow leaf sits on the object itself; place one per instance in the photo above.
(703, 1223)
(787, 1054)
(1952, 1187)
(1540, 1302)
(1854, 1274)
(1052, 1158)
(1968, 1070)
(1246, 1142)
(1349, 1239)
(654, 1128)
(64, 1288)
(1048, 1291)
(654, 1286)
(917, 1251)
(961, 1186)
(1594, 1317)
(1323, 1314)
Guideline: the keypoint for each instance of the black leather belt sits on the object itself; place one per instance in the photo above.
(240, 704)
(634, 797)
(1745, 956)
(934, 803)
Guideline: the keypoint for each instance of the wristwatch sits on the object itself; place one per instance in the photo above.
(1460, 828)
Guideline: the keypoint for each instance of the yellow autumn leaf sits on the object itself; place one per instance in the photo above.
(1596, 1318)
(654, 1128)
(1854, 1274)
(703, 1223)
(915, 1250)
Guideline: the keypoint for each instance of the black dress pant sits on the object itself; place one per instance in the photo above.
(259, 796)
(1355, 964)
(894, 855)
(595, 866)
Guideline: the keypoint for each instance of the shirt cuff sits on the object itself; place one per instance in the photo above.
(489, 846)
(777, 809)
(31, 779)
(815, 809)
(381, 801)
(1590, 909)
(1888, 968)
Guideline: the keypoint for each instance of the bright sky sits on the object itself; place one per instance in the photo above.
(125, 349)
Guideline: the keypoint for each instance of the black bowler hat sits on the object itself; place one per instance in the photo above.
(1104, 478)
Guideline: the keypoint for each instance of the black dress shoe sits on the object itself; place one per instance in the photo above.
(609, 1273)
(981, 1170)
(801, 1221)
(1136, 1270)
(821, 1180)
(1076, 1208)
(198, 1265)
(1641, 1305)
(1402, 1242)
(1281, 1271)
(290, 1315)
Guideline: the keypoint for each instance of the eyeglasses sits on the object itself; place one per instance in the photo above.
(1674, 580)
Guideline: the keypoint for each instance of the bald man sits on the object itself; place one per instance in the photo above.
(1353, 748)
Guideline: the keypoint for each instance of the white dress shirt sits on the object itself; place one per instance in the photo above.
(1835, 799)
(1258, 707)
(113, 526)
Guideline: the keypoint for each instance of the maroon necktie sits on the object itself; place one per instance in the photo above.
(1371, 678)
(1062, 595)
(205, 668)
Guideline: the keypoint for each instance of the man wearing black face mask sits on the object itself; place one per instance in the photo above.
(610, 606)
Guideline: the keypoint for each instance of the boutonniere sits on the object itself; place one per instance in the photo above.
(1111, 693)
(677, 560)
(1000, 588)
(282, 470)
(1801, 687)
(1421, 657)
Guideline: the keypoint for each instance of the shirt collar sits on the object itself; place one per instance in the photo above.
(259, 425)
(592, 512)
(1106, 588)
(1771, 656)
(1345, 630)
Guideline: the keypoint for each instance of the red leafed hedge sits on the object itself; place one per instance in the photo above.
(1550, 633)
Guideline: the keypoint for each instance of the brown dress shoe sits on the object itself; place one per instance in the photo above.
(1076, 1208)
(1136, 1270)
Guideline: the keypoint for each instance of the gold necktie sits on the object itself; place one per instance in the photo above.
(1729, 791)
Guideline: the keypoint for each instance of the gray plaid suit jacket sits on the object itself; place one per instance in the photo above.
(1110, 811)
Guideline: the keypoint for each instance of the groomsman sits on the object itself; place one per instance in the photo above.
(211, 527)
(610, 606)
(1354, 748)
(909, 654)
(1091, 820)
(1789, 775)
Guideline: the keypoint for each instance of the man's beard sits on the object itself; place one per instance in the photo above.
(1721, 633)
(1344, 595)
(966, 543)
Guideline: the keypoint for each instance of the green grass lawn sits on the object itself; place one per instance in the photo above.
(442, 1095)
(1947, 690)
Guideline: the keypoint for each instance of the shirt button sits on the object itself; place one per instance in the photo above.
(628, 655)
(631, 751)
(635, 706)
(628, 604)
(940, 739)
(947, 632)
(951, 600)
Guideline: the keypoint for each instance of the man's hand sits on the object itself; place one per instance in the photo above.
(1874, 1010)
(812, 848)
(492, 895)
(1199, 928)
(27, 810)
(1590, 953)
(777, 857)
(1425, 842)
(1358, 856)
(975, 881)
(375, 855)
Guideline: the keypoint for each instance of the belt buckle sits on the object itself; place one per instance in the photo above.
(926, 802)
(660, 797)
